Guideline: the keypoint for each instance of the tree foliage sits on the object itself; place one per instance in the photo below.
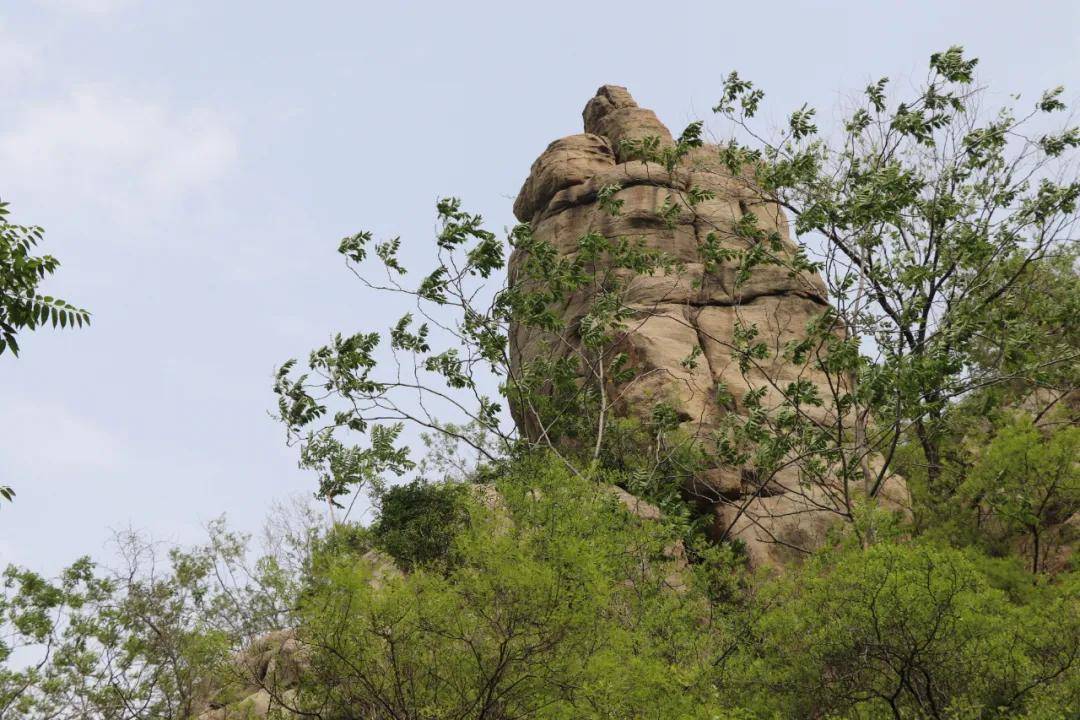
(910, 631)
(150, 639)
(513, 576)
(21, 307)
(554, 609)
(944, 235)
(559, 603)
(935, 223)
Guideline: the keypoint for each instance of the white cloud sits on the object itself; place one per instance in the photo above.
(92, 7)
(115, 151)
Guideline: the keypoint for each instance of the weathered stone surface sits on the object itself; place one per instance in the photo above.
(261, 678)
(690, 311)
(613, 114)
(566, 162)
(636, 506)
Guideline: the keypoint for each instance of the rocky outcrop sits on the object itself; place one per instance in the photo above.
(260, 682)
(260, 679)
(692, 313)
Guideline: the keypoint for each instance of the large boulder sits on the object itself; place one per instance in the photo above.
(689, 313)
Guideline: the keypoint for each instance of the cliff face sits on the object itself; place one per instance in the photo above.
(692, 313)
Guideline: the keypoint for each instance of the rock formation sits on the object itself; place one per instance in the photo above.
(692, 313)
(258, 680)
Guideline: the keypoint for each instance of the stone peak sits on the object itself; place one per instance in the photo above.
(607, 99)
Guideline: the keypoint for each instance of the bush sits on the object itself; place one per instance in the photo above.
(418, 521)
(910, 631)
(558, 606)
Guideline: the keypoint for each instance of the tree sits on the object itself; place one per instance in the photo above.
(151, 639)
(1028, 479)
(559, 604)
(21, 307)
(932, 219)
(418, 522)
(913, 631)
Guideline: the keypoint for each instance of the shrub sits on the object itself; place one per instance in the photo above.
(910, 631)
(558, 606)
(418, 521)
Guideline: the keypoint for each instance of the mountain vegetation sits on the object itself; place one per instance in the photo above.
(572, 541)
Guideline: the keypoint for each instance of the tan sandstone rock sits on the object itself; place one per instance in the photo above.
(259, 679)
(689, 311)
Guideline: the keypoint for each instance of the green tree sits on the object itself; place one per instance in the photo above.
(1028, 478)
(932, 221)
(418, 521)
(913, 631)
(152, 640)
(561, 605)
(21, 307)
(1032, 339)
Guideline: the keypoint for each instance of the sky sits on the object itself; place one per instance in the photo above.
(195, 163)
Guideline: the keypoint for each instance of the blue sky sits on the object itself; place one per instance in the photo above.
(194, 164)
